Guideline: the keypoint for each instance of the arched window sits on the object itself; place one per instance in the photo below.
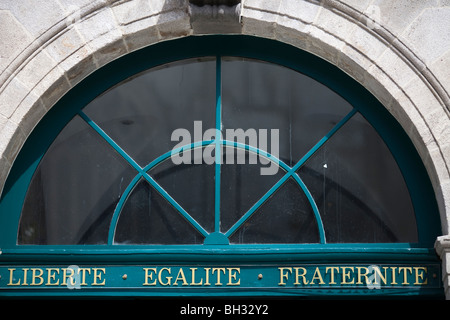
(291, 162)
(225, 147)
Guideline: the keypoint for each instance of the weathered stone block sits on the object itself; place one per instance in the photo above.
(173, 24)
(5, 167)
(12, 96)
(397, 15)
(11, 139)
(28, 113)
(429, 34)
(440, 69)
(68, 42)
(360, 5)
(337, 25)
(257, 22)
(36, 69)
(325, 45)
(52, 87)
(37, 18)
(305, 11)
(78, 65)
(102, 35)
(13, 39)
(267, 6)
(393, 64)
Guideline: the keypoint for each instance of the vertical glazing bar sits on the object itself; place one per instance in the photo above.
(218, 144)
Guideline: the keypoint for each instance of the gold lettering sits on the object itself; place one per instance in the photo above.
(193, 283)
(98, 275)
(380, 276)
(420, 275)
(232, 276)
(346, 274)
(308, 275)
(182, 277)
(332, 269)
(66, 276)
(283, 275)
(83, 275)
(207, 277)
(149, 276)
(169, 279)
(10, 283)
(405, 271)
(393, 275)
(35, 276)
(298, 275)
(25, 271)
(317, 276)
(218, 283)
(360, 275)
(51, 276)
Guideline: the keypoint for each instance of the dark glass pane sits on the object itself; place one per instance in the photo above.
(142, 113)
(242, 185)
(147, 218)
(286, 217)
(359, 188)
(259, 95)
(191, 185)
(74, 190)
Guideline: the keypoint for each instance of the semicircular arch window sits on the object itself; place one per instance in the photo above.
(218, 150)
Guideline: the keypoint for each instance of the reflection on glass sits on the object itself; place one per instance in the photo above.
(262, 95)
(286, 217)
(242, 185)
(359, 189)
(74, 190)
(141, 113)
(191, 185)
(147, 218)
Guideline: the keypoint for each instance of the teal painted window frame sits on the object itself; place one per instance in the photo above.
(403, 150)
(216, 237)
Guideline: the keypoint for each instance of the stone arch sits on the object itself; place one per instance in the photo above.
(74, 40)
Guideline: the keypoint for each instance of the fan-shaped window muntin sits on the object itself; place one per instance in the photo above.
(219, 105)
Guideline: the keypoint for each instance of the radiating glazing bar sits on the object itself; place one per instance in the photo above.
(143, 174)
(292, 172)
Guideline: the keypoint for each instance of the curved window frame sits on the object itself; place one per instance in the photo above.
(416, 178)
